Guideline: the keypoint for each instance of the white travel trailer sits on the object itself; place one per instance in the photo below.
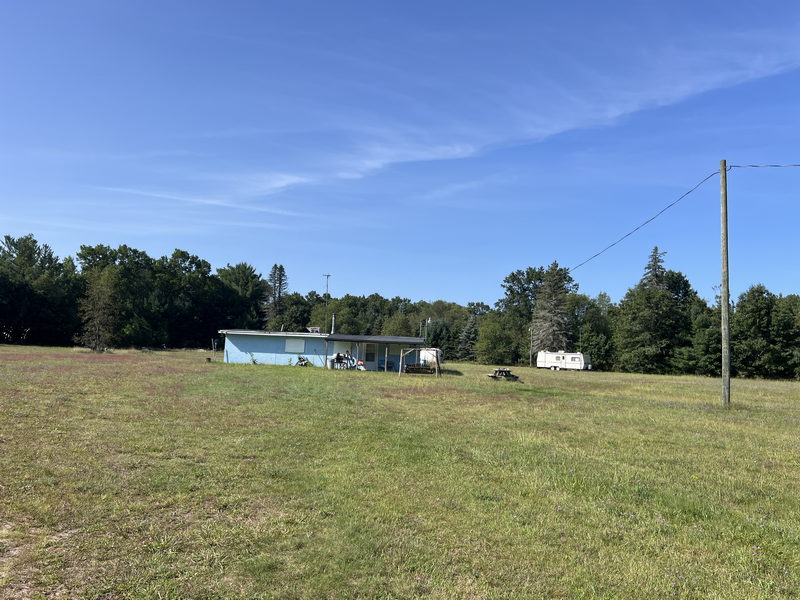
(428, 356)
(563, 360)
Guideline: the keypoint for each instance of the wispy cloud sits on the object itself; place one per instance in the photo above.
(373, 156)
(577, 95)
(401, 123)
(582, 96)
(457, 189)
(199, 201)
(255, 183)
(251, 225)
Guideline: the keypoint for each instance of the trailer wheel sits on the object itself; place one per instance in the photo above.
(552, 368)
(558, 368)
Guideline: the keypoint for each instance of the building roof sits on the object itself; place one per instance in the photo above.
(377, 339)
(305, 334)
(333, 337)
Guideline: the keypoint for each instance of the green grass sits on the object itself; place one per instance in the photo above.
(159, 475)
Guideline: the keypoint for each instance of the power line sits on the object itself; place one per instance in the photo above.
(760, 166)
(653, 218)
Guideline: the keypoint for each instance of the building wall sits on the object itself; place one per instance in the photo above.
(272, 350)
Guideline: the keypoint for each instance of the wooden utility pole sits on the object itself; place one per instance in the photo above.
(530, 346)
(327, 277)
(725, 291)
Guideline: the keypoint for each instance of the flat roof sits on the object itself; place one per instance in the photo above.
(335, 337)
(377, 339)
(272, 333)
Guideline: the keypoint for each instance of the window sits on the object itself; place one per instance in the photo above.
(576, 359)
(295, 346)
(369, 352)
(558, 358)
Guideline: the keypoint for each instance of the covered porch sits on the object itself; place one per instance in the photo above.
(376, 352)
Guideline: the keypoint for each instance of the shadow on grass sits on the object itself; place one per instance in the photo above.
(451, 372)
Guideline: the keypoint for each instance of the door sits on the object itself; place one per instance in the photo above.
(371, 357)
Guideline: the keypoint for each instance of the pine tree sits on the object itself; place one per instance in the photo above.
(277, 288)
(654, 321)
(438, 334)
(99, 308)
(467, 339)
(654, 272)
(549, 325)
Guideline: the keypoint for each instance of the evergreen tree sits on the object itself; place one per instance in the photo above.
(467, 339)
(550, 325)
(654, 320)
(98, 308)
(439, 334)
(654, 272)
(277, 288)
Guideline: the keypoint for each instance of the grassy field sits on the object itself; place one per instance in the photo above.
(160, 475)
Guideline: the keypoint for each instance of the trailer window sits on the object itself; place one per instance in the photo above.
(558, 358)
(576, 359)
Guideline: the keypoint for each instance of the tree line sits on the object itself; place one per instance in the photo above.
(121, 297)
(661, 325)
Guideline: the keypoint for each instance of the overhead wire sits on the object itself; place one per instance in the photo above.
(762, 166)
(651, 219)
(674, 202)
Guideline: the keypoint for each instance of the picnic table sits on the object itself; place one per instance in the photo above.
(503, 374)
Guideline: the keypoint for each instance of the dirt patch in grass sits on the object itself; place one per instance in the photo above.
(18, 569)
(8, 550)
(16, 573)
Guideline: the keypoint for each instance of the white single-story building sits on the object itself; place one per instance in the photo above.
(375, 352)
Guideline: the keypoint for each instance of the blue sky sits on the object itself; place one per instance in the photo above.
(417, 149)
